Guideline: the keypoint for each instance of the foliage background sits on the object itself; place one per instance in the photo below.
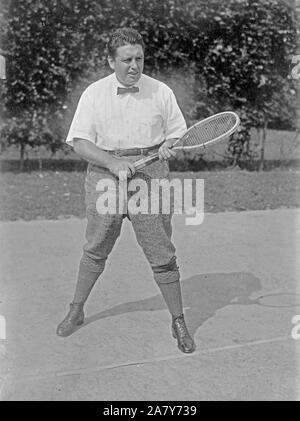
(232, 55)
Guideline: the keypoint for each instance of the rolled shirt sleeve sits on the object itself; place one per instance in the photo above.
(83, 123)
(175, 125)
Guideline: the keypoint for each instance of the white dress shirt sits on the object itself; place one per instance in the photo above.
(129, 120)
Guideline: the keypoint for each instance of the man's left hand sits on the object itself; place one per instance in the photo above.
(165, 152)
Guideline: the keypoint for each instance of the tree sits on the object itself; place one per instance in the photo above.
(245, 64)
(46, 49)
(239, 50)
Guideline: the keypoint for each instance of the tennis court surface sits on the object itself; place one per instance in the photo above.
(239, 280)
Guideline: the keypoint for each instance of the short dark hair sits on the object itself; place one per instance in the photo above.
(123, 36)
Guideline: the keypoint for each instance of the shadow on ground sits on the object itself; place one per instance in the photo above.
(203, 295)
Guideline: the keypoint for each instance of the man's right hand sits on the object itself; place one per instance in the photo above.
(121, 168)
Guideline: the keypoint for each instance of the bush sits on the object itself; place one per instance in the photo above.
(238, 50)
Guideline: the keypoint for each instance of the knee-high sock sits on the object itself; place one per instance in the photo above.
(85, 281)
(171, 293)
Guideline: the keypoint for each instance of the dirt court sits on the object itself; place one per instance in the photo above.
(240, 282)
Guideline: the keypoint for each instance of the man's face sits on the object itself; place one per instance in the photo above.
(128, 63)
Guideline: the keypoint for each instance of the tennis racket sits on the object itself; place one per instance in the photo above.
(206, 132)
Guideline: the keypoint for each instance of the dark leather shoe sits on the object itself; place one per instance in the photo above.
(179, 331)
(74, 318)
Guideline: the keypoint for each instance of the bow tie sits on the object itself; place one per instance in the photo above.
(132, 90)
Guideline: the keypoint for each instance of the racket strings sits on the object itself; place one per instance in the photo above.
(205, 132)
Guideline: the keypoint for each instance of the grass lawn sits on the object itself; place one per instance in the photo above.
(60, 194)
(280, 145)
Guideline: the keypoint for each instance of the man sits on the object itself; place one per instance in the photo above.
(119, 119)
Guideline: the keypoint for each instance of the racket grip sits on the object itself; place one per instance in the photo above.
(141, 163)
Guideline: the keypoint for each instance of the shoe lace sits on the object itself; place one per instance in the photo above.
(180, 326)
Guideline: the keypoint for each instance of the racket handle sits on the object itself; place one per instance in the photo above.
(141, 163)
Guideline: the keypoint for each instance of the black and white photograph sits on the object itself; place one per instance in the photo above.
(149, 203)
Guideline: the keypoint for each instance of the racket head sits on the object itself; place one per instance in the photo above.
(210, 130)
